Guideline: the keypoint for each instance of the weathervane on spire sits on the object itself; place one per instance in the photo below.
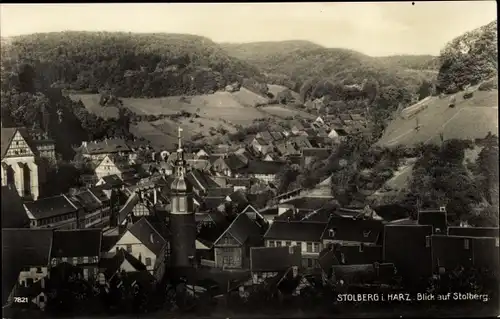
(179, 130)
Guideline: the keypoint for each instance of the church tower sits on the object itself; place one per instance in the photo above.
(182, 217)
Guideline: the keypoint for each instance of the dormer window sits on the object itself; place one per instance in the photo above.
(438, 230)
(366, 233)
(331, 232)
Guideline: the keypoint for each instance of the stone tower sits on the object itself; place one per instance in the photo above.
(182, 217)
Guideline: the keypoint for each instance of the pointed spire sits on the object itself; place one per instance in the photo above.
(179, 130)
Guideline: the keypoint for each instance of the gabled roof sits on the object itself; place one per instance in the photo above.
(50, 206)
(7, 134)
(128, 207)
(208, 234)
(201, 179)
(88, 200)
(357, 230)
(27, 247)
(263, 167)
(238, 197)
(22, 248)
(235, 162)
(77, 243)
(108, 242)
(220, 192)
(148, 235)
(242, 182)
(473, 231)
(112, 180)
(112, 265)
(274, 258)
(242, 229)
(266, 136)
(107, 146)
(320, 153)
(13, 212)
(295, 230)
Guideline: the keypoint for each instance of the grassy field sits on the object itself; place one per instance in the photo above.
(469, 119)
(221, 109)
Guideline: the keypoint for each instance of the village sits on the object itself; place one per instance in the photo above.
(211, 220)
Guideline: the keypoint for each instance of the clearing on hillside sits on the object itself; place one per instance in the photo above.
(91, 102)
(470, 119)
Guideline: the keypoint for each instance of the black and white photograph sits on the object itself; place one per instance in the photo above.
(250, 160)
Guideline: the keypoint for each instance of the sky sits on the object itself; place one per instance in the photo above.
(375, 28)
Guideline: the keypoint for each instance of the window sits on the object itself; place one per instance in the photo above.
(309, 248)
(38, 270)
(466, 244)
(438, 230)
(181, 204)
(278, 243)
(288, 243)
(41, 299)
(75, 260)
(85, 260)
(366, 233)
(148, 261)
(427, 242)
(227, 249)
(304, 262)
(64, 259)
(299, 244)
(331, 232)
(316, 247)
(129, 248)
(497, 242)
(310, 262)
(271, 243)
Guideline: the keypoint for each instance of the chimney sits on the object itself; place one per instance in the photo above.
(155, 196)
(84, 143)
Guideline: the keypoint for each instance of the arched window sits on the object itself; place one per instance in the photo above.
(181, 204)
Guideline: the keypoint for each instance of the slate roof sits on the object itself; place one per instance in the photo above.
(242, 182)
(201, 179)
(108, 242)
(22, 248)
(321, 153)
(148, 235)
(357, 230)
(474, 231)
(239, 198)
(295, 230)
(263, 167)
(243, 229)
(208, 234)
(220, 192)
(106, 146)
(77, 243)
(112, 265)
(274, 258)
(235, 162)
(88, 200)
(212, 203)
(100, 194)
(50, 206)
(13, 212)
(128, 207)
(112, 180)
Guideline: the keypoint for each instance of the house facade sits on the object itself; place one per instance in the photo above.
(306, 235)
(81, 248)
(53, 212)
(146, 244)
(21, 163)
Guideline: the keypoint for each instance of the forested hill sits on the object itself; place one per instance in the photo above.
(302, 60)
(469, 59)
(134, 65)
(261, 51)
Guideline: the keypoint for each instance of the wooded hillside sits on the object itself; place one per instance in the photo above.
(132, 65)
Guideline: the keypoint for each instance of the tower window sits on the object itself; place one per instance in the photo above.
(181, 203)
